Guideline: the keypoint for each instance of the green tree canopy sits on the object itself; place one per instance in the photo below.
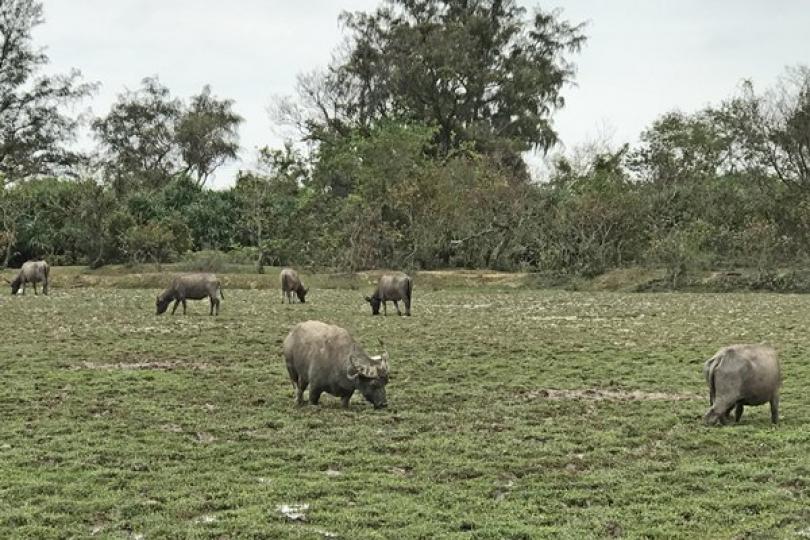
(479, 71)
(148, 137)
(33, 130)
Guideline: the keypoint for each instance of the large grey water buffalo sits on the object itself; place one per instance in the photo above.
(291, 283)
(190, 287)
(32, 272)
(392, 287)
(742, 375)
(326, 358)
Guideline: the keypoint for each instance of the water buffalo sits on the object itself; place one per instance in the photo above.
(190, 287)
(326, 358)
(31, 272)
(391, 287)
(742, 375)
(291, 283)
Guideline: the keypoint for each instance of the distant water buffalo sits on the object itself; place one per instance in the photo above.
(291, 283)
(326, 358)
(391, 287)
(32, 272)
(742, 375)
(190, 287)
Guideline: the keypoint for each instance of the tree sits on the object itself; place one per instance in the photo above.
(13, 208)
(207, 134)
(149, 137)
(252, 191)
(679, 147)
(773, 129)
(33, 131)
(138, 138)
(478, 71)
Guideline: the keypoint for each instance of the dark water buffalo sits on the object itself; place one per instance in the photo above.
(742, 375)
(392, 287)
(326, 358)
(291, 283)
(190, 287)
(31, 272)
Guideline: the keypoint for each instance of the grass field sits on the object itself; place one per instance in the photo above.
(512, 414)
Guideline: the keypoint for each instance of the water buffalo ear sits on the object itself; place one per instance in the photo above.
(368, 299)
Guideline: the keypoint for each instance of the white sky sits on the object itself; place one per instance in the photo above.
(642, 58)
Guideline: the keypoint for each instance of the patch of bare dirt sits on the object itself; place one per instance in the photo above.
(598, 394)
(166, 366)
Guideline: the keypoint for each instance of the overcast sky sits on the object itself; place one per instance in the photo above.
(642, 58)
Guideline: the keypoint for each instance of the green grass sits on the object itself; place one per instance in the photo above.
(201, 438)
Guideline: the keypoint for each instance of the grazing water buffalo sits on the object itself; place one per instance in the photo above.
(31, 272)
(291, 283)
(190, 287)
(326, 358)
(391, 287)
(742, 375)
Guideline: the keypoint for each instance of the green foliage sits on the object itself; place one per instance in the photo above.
(414, 161)
(480, 72)
(156, 241)
(207, 134)
(34, 132)
(148, 137)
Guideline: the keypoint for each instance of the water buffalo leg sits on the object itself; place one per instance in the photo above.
(299, 394)
(174, 307)
(407, 308)
(396, 305)
(23, 287)
(211, 302)
(217, 304)
(738, 410)
(775, 410)
(385, 308)
(35, 288)
(45, 287)
(184, 305)
(344, 401)
(315, 395)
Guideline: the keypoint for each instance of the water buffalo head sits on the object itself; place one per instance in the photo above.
(302, 294)
(375, 304)
(161, 304)
(16, 284)
(370, 379)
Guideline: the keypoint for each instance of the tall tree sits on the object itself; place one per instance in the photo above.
(207, 134)
(773, 128)
(138, 137)
(33, 130)
(148, 137)
(481, 71)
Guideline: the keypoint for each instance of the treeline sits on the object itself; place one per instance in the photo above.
(410, 156)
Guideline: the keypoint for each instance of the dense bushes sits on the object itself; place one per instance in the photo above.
(401, 208)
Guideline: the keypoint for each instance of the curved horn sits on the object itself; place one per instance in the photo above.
(352, 367)
(384, 363)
